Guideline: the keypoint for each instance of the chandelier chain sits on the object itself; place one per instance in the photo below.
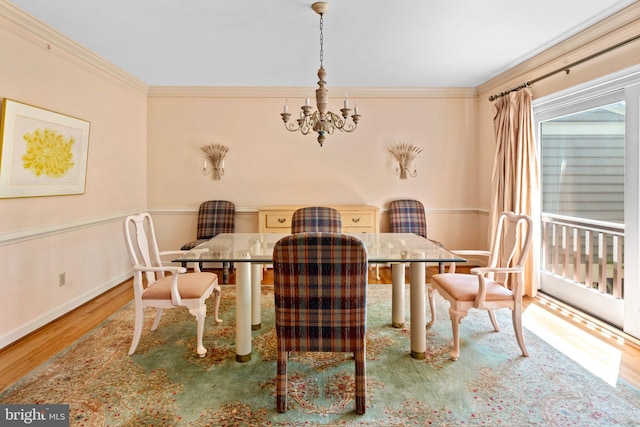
(321, 41)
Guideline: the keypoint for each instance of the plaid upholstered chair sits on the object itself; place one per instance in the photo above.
(316, 218)
(407, 216)
(214, 217)
(320, 286)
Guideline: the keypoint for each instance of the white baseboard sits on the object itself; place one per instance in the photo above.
(46, 318)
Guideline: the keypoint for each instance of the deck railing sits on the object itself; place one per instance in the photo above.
(584, 251)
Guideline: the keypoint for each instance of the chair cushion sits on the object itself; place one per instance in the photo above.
(190, 286)
(464, 287)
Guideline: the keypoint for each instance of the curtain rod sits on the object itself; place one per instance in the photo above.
(566, 68)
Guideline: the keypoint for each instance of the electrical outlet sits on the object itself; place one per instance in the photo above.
(62, 279)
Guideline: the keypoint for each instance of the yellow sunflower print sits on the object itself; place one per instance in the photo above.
(48, 153)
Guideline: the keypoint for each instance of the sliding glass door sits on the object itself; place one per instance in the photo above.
(587, 141)
(582, 222)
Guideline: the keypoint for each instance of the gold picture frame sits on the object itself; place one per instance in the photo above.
(43, 153)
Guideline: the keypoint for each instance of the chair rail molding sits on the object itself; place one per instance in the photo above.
(50, 230)
(254, 210)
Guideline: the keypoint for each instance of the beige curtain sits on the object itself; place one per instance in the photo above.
(515, 169)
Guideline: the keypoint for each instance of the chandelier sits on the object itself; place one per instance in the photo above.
(321, 121)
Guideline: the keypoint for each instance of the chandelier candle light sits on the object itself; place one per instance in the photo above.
(405, 154)
(215, 154)
(321, 121)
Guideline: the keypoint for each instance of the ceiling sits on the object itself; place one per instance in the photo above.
(367, 43)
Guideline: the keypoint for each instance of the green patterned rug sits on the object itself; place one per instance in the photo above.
(166, 384)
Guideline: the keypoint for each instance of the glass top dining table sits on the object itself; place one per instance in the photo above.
(250, 251)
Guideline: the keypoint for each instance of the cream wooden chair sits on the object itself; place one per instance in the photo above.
(499, 285)
(189, 290)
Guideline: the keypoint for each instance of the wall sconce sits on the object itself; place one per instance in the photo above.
(214, 153)
(405, 154)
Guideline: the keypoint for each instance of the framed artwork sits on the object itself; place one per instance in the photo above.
(43, 153)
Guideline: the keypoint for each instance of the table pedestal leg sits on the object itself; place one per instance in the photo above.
(418, 317)
(256, 296)
(243, 311)
(397, 295)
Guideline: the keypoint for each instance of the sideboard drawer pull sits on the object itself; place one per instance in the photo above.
(354, 219)
(282, 220)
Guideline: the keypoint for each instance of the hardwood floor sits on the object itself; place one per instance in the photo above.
(19, 358)
(616, 356)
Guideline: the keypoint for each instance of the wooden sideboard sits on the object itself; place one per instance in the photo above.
(355, 218)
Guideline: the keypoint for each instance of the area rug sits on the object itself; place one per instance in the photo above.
(165, 384)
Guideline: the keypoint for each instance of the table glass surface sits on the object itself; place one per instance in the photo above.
(258, 248)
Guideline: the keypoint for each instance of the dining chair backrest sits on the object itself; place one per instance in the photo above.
(215, 217)
(407, 216)
(316, 218)
(140, 238)
(511, 243)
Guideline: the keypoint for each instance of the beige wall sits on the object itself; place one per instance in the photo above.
(79, 235)
(267, 165)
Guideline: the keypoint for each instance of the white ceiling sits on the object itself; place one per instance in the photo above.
(367, 43)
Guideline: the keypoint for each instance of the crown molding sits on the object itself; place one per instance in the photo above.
(605, 33)
(29, 28)
(292, 92)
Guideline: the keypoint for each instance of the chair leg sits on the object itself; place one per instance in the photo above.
(137, 329)
(432, 305)
(516, 317)
(216, 306)
(200, 313)
(494, 321)
(156, 322)
(456, 318)
(361, 381)
(281, 381)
